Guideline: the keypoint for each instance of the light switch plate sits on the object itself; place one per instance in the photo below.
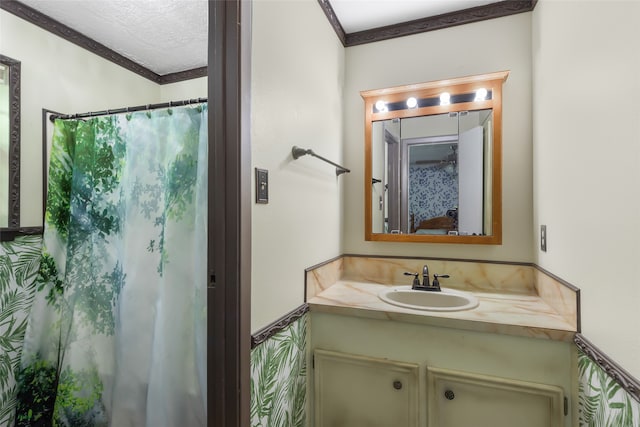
(262, 186)
(543, 238)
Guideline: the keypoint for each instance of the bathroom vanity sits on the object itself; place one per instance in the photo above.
(506, 362)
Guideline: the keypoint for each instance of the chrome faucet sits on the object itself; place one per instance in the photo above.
(416, 282)
(436, 283)
(425, 276)
(426, 286)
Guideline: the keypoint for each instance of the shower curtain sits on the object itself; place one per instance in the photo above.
(117, 332)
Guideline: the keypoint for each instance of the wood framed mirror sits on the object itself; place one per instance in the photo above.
(9, 143)
(433, 161)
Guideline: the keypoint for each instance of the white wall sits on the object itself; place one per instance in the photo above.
(63, 77)
(297, 75)
(188, 89)
(586, 66)
(488, 46)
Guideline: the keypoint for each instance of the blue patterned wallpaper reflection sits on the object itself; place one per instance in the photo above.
(432, 191)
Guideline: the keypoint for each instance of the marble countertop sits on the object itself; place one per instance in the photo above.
(504, 313)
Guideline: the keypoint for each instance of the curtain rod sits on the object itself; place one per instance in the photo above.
(128, 109)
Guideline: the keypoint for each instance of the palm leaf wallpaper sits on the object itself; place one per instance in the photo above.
(278, 366)
(602, 402)
(19, 261)
(279, 378)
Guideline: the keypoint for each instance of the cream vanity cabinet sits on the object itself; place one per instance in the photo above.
(369, 372)
(356, 391)
(458, 398)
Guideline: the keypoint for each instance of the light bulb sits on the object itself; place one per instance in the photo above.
(445, 98)
(412, 102)
(381, 106)
(481, 94)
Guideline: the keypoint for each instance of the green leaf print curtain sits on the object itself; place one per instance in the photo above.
(117, 332)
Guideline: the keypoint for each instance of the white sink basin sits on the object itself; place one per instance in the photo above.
(446, 300)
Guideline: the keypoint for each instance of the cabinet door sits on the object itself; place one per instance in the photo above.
(358, 391)
(459, 399)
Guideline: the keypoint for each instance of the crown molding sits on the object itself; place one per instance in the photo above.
(277, 326)
(333, 20)
(181, 76)
(69, 34)
(447, 20)
(9, 234)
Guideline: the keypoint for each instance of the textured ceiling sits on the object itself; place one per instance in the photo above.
(359, 15)
(165, 36)
(168, 36)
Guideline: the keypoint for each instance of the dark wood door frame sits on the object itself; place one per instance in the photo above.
(229, 204)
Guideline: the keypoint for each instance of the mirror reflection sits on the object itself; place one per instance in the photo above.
(431, 174)
(433, 161)
(9, 142)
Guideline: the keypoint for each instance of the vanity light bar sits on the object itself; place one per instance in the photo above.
(480, 95)
(381, 106)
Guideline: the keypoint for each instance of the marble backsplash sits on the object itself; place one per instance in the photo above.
(564, 298)
(473, 276)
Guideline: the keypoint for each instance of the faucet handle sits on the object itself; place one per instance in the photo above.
(416, 281)
(436, 282)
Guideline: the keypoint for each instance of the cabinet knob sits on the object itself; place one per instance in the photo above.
(449, 395)
(397, 385)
